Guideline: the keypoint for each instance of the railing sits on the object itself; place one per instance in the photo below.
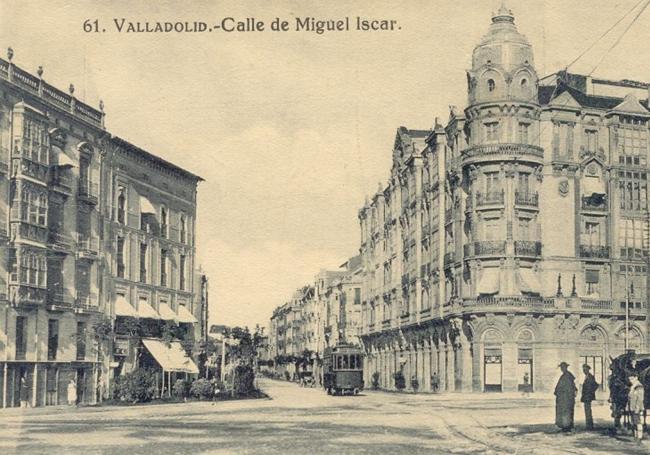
(450, 257)
(61, 179)
(87, 244)
(59, 238)
(50, 94)
(404, 317)
(486, 248)
(589, 203)
(505, 149)
(425, 312)
(510, 302)
(490, 198)
(528, 248)
(86, 302)
(526, 198)
(32, 169)
(30, 231)
(89, 191)
(61, 299)
(594, 251)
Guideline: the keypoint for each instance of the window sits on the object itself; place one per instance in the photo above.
(181, 271)
(21, 337)
(492, 183)
(163, 222)
(33, 269)
(492, 229)
(591, 140)
(120, 257)
(84, 181)
(143, 262)
(357, 296)
(524, 229)
(632, 236)
(33, 206)
(562, 139)
(492, 131)
(523, 180)
(163, 267)
(121, 206)
(524, 84)
(36, 141)
(523, 132)
(591, 283)
(183, 229)
(633, 190)
(632, 145)
(491, 85)
(13, 266)
(81, 340)
(52, 338)
(591, 235)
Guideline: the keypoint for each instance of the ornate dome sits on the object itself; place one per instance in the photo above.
(503, 45)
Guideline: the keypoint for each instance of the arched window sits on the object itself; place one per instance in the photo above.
(491, 85)
(183, 228)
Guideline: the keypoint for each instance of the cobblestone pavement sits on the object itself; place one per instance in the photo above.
(307, 421)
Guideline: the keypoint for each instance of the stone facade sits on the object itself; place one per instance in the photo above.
(505, 241)
(62, 221)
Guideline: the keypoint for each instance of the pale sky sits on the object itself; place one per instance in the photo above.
(290, 130)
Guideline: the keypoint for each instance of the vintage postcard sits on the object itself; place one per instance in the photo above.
(243, 227)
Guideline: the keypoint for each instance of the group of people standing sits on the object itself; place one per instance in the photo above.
(566, 392)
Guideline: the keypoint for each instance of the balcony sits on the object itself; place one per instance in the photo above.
(499, 152)
(27, 295)
(490, 198)
(450, 257)
(32, 169)
(59, 241)
(527, 199)
(60, 180)
(485, 248)
(86, 303)
(598, 204)
(88, 192)
(528, 248)
(87, 247)
(594, 251)
(59, 300)
(28, 231)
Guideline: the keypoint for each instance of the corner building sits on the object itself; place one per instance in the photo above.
(511, 238)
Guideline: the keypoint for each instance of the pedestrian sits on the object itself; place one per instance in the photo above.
(636, 405)
(565, 398)
(435, 382)
(589, 387)
(24, 392)
(72, 393)
(526, 391)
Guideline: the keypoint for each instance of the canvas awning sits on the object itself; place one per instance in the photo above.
(146, 311)
(185, 316)
(170, 357)
(166, 313)
(124, 308)
(489, 282)
(146, 207)
(528, 281)
(593, 185)
(63, 160)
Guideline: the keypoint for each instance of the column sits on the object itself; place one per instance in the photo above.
(451, 367)
(442, 366)
(427, 368)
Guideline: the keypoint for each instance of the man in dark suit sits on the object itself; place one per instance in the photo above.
(589, 387)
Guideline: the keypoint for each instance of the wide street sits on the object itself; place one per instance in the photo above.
(302, 421)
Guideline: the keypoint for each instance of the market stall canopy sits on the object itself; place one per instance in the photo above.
(166, 313)
(170, 357)
(146, 311)
(146, 207)
(124, 308)
(185, 316)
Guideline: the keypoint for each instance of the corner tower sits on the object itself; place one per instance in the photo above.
(503, 164)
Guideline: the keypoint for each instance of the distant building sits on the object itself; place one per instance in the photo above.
(510, 238)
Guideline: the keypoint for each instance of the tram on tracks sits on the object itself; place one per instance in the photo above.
(343, 370)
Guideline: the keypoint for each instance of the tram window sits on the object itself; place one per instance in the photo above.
(345, 362)
(353, 362)
(359, 362)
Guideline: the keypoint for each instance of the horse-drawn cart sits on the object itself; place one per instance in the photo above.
(619, 386)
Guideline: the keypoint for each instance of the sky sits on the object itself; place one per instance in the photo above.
(291, 130)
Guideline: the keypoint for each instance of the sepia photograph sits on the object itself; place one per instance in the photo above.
(324, 227)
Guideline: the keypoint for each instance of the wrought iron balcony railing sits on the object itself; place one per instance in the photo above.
(485, 248)
(528, 248)
(526, 198)
(594, 251)
(490, 198)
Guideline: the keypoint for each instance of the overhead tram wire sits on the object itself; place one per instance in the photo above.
(618, 40)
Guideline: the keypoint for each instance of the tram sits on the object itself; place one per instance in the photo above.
(343, 370)
(619, 385)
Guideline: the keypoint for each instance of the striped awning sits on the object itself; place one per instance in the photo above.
(185, 316)
(124, 308)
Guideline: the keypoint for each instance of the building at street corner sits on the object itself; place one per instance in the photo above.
(317, 317)
(94, 233)
(507, 240)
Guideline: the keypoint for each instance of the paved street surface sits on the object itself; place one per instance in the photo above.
(306, 421)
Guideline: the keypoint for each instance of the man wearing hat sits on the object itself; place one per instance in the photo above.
(589, 387)
(635, 403)
(565, 398)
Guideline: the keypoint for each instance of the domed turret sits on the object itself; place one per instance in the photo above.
(502, 63)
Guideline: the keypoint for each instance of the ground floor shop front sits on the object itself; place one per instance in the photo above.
(497, 352)
(47, 383)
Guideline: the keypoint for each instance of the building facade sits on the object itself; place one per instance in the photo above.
(69, 245)
(511, 238)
